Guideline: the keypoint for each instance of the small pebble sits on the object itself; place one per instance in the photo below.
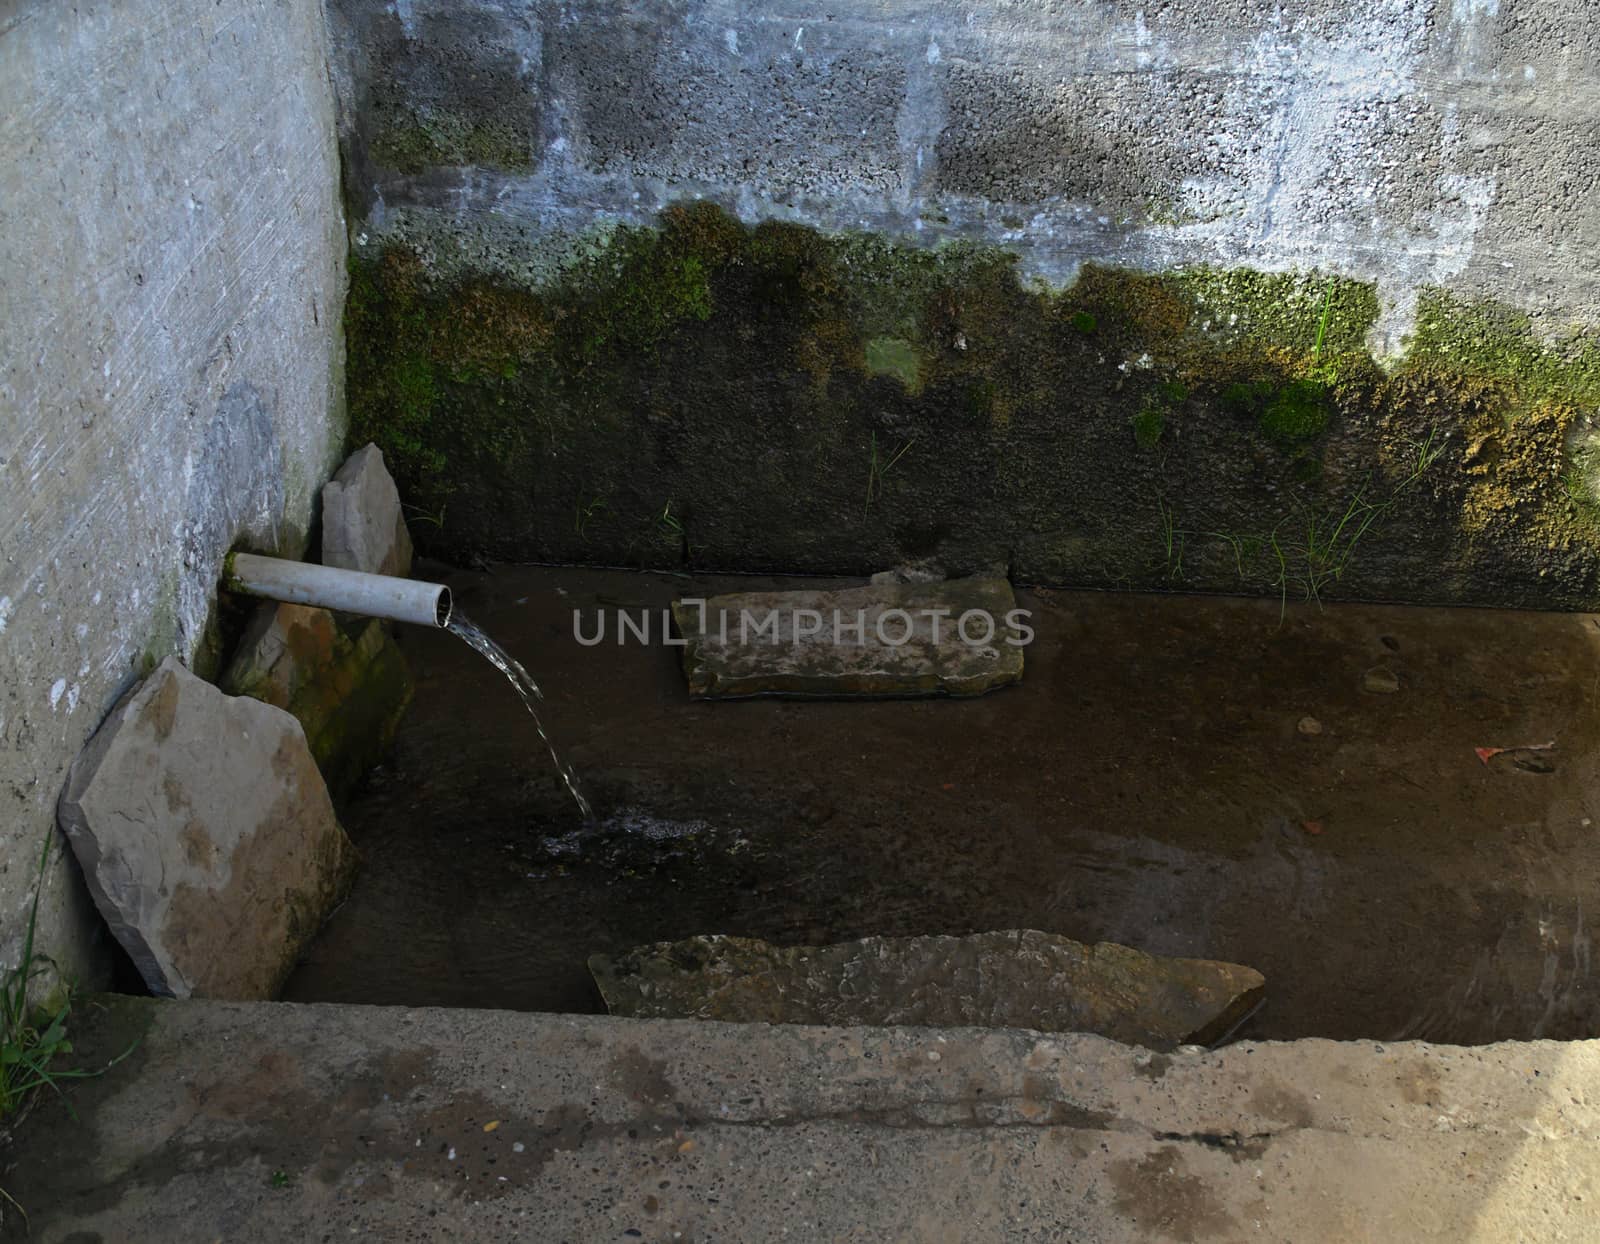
(1380, 681)
(518, 1147)
(1309, 726)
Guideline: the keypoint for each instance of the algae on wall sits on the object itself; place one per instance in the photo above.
(713, 394)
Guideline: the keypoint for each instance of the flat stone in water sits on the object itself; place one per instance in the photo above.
(1380, 680)
(1017, 978)
(956, 637)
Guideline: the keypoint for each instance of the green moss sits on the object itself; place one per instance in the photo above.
(1578, 481)
(733, 368)
(1130, 308)
(411, 143)
(1296, 412)
(894, 356)
(1286, 311)
(645, 282)
(1242, 397)
(1484, 339)
(1148, 425)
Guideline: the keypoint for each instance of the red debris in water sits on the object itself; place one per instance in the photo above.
(1486, 754)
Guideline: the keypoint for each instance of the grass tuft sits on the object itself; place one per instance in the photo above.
(878, 467)
(34, 1036)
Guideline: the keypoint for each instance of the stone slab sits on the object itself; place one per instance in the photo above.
(958, 637)
(1016, 978)
(363, 527)
(348, 688)
(206, 836)
(268, 1121)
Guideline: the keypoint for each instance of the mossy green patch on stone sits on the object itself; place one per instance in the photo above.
(739, 372)
(347, 683)
(1299, 313)
(894, 356)
(1486, 339)
(1296, 412)
(412, 144)
(1148, 425)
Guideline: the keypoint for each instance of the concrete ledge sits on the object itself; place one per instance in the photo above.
(271, 1121)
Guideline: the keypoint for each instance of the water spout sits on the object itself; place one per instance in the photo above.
(528, 690)
(344, 591)
(398, 600)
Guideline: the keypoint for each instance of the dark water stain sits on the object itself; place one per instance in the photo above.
(1166, 1202)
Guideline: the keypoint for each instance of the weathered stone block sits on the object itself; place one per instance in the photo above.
(957, 637)
(206, 836)
(362, 525)
(347, 687)
(1017, 978)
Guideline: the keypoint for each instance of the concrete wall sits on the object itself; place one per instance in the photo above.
(171, 283)
(1452, 142)
(721, 396)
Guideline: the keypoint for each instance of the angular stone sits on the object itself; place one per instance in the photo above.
(348, 687)
(362, 525)
(1017, 978)
(807, 642)
(1380, 680)
(206, 836)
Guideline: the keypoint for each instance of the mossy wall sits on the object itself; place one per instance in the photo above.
(717, 395)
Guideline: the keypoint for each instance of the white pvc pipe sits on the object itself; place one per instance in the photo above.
(345, 591)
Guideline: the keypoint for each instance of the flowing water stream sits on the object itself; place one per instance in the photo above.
(522, 682)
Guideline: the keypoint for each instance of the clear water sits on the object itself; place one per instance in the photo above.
(522, 681)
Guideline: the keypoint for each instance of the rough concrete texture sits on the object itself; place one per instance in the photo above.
(171, 276)
(206, 836)
(348, 688)
(958, 637)
(1016, 978)
(363, 527)
(1407, 143)
(1254, 208)
(276, 1122)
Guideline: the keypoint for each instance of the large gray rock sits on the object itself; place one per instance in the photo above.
(957, 637)
(206, 836)
(347, 686)
(362, 526)
(1017, 978)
